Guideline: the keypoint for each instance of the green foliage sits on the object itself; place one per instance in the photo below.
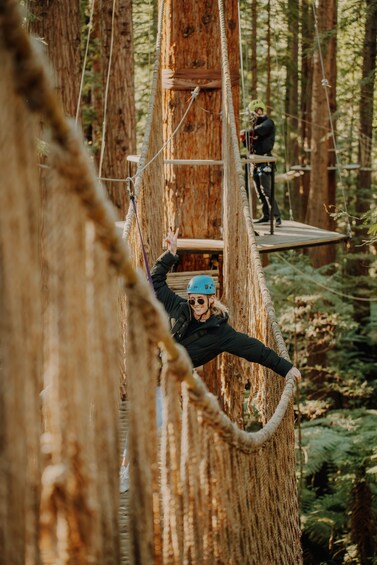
(338, 486)
(369, 221)
(317, 321)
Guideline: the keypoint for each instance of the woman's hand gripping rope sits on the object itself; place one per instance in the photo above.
(294, 372)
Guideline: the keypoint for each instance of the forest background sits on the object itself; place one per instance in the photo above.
(314, 64)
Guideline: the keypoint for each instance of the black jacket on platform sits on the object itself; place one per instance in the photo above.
(215, 335)
(261, 138)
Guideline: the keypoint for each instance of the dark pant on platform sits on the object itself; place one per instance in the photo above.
(263, 188)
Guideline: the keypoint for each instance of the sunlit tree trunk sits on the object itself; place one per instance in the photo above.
(118, 131)
(268, 87)
(321, 198)
(291, 105)
(359, 267)
(254, 54)
(191, 57)
(305, 104)
(58, 25)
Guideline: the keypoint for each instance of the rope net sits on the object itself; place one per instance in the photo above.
(202, 489)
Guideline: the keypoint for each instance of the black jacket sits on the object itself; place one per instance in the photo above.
(212, 337)
(261, 138)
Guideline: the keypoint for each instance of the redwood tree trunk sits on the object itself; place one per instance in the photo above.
(321, 198)
(291, 106)
(58, 25)
(254, 54)
(306, 103)
(191, 56)
(359, 266)
(116, 39)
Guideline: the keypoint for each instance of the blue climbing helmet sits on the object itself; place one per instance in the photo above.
(201, 284)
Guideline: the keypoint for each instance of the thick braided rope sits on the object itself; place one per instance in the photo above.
(148, 127)
(245, 204)
(32, 80)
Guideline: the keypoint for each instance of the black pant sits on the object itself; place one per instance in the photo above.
(262, 183)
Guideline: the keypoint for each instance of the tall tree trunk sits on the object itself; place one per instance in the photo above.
(191, 56)
(291, 104)
(118, 96)
(254, 53)
(58, 25)
(359, 266)
(268, 87)
(320, 197)
(305, 103)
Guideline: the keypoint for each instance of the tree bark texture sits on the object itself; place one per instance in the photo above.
(359, 266)
(306, 103)
(58, 25)
(291, 104)
(191, 47)
(119, 120)
(321, 198)
(254, 54)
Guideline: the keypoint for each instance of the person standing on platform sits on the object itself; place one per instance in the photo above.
(259, 140)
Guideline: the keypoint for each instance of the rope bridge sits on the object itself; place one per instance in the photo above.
(210, 492)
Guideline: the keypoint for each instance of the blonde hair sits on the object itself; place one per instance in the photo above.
(218, 308)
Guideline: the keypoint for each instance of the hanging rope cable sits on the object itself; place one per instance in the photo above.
(104, 123)
(326, 85)
(324, 286)
(90, 26)
(194, 95)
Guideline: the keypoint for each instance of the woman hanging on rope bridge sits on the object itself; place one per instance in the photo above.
(201, 322)
(201, 326)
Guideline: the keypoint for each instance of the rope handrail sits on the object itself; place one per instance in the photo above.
(42, 98)
(246, 211)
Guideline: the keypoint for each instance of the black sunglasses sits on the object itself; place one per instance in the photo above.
(200, 301)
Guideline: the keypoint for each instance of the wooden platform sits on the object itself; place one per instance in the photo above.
(293, 235)
(290, 235)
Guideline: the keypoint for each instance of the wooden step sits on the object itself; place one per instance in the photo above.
(190, 245)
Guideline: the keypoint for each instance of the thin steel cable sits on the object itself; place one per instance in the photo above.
(194, 95)
(326, 85)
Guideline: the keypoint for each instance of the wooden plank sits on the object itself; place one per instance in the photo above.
(204, 162)
(290, 235)
(294, 235)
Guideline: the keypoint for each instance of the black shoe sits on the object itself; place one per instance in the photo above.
(262, 221)
(278, 222)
